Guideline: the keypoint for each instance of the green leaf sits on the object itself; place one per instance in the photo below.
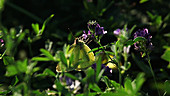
(11, 70)
(8, 60)
(89, 94)
(1, 4)
(44, 24)
(118, 93)
(167, 86)
(71, 76)
(21, 37)
(47, 72)
(106, 80)
(143, 1)
(131, 30)
(129, 42)
(63, 58)
(47, 53)
(36, 28)
(90, 76)
(95, 87)
(158, 20)
(98, 68)
(137, 39)
(139, 82)
(115, 84)
(166, 55)
(62, 89)
(150, 15)
(143, 55)
(22, 65)
(16, 68)
(66, 48)
(167, 34)
(40, 59)
(16, 81)
(95, 49)
(128, 86)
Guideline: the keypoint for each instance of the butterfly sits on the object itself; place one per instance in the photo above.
(82, 59)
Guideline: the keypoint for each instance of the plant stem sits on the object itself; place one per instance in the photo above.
(119, 69)
(153, 74)
(104, 50)
(120, 75)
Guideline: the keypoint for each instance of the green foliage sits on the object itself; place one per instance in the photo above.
(167, 86)
(14, 68)
(1, 4)
(36, 28)
(131, 88)
(143, 1)
(166, 55)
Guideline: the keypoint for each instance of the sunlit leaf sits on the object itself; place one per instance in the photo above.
(47, 72)
(40, 59)
(98, 67)
(47, 53)
(71, 76)
(16, 68)
(128, 86)
(166, 55)
(95, 87)
(143, 1)
(8, 60)
(44, 24)
(137, 39)
(36, 28)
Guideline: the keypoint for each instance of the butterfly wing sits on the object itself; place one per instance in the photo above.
(87, 58)
(81, 57)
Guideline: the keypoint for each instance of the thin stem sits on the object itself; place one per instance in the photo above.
(119, 69)
(153, 74)
(120, 75)
(104, 50)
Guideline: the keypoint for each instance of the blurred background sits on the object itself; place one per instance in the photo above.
(71, 17)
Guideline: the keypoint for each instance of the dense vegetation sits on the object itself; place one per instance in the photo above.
(84, 47)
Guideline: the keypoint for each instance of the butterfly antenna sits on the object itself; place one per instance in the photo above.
(71, 33)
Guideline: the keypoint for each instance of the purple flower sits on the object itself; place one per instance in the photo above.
(72, 85)
(116, 32)
(84, 35)
(99, 30)
(148, 44)
(1, 42)
(107, 72)
(94, 30)
(66, 80)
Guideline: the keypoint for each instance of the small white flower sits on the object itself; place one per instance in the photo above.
(126, 49)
